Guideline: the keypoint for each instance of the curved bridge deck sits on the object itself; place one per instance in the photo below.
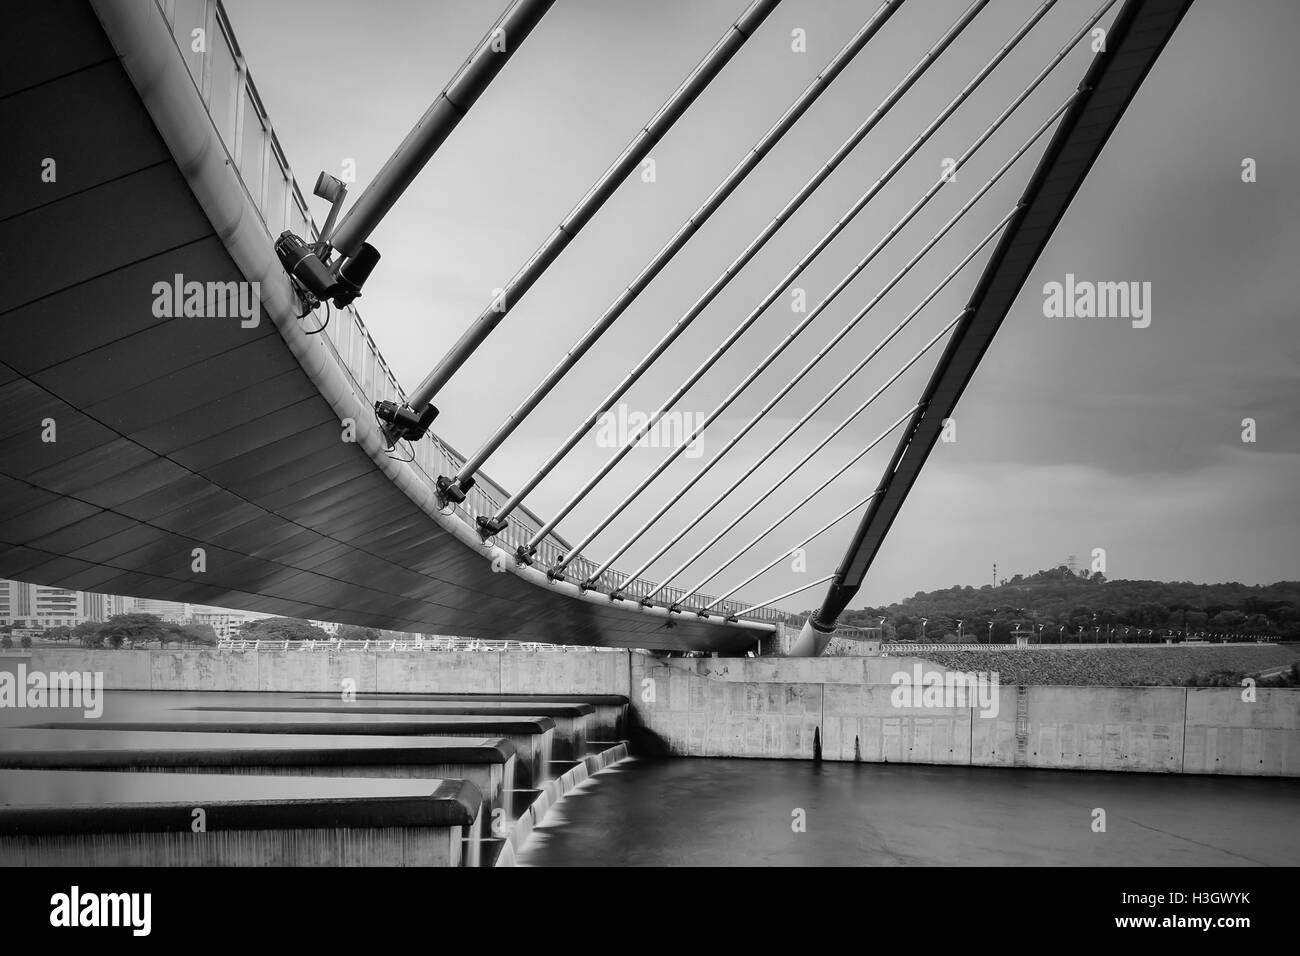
(220, 433)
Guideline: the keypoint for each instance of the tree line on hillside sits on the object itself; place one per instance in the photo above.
(1059, 605)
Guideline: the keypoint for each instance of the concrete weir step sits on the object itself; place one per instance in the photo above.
(608, 723)
(571, 720)
(532, 737)
(487, 763)
(104, 818)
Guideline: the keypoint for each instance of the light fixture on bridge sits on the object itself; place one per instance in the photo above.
(451, 490)
(403, 423)
(343, 240)
(315, 278)
(333, 190)
(490, 526)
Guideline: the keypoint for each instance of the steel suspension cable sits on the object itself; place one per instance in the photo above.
(959, 163)
(825, 350)
(663, 120)
(526, 551)
(812, 494)
(674, 245)
(793, 274)
(782, 597)
(485, 60)
(821, 403)
(789, 551)
(808, 457)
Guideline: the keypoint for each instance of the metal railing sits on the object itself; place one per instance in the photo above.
(409, 644)
(905, 648)
(858, 633)
(222, 79)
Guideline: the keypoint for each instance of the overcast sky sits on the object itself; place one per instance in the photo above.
(1075, 433)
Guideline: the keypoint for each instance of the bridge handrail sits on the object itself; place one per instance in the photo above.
(858, 633)
(410, 644)
(223, 80)
(893, 647)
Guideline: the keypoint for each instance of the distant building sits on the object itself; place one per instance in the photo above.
(224, 623)
(40, 606)
(167, 610)
(329, 627)
(103, 606)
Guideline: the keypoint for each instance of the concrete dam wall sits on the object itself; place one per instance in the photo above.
(848, 708)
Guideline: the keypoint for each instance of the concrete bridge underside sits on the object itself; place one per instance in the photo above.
(179, 433)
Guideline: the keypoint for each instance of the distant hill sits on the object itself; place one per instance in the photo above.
(1057, 597)
(1190, 665)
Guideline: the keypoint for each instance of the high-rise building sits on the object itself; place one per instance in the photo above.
(37, 605)
(100, 607)
(16, 601)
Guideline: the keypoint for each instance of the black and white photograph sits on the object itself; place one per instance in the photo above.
(649, 435)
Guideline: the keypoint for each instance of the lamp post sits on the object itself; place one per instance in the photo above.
(959, 624)
(924, 621)
(990, 633)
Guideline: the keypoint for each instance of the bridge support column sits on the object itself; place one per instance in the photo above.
(812, 640)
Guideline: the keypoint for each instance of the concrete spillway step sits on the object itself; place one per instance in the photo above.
(532, 737)
(608, 723)
(487, 763)
(102, 818)
(571, 720)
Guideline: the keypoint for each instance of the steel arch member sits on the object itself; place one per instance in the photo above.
(1139, 33)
